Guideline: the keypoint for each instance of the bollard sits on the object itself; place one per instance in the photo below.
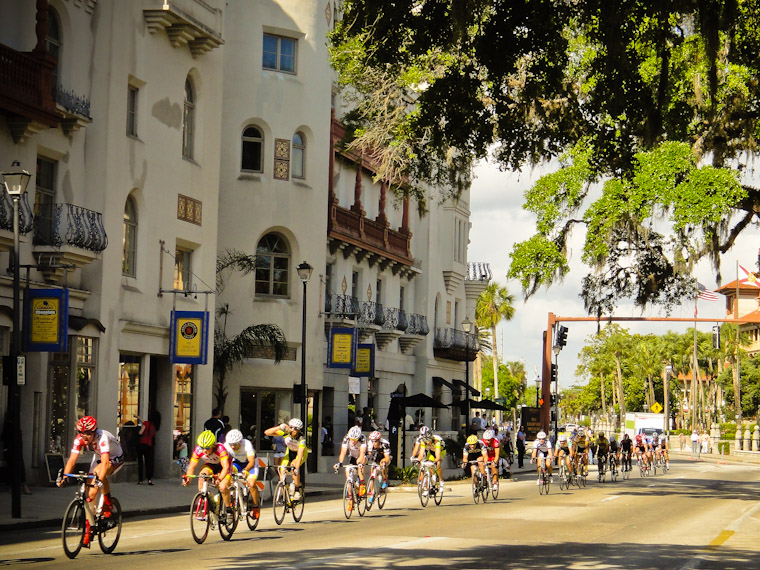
(756, 439)
(747, 440)
(715, 438)
(738, 442)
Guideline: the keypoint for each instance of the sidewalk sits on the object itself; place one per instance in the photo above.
(46, 505)
(715, 457)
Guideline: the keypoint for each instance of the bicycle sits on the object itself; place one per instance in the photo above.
(565, 477)
(479, 484)
(544, 479)
(493, 482)
(206, 512)
(581, 471)
(613, 461)
(242, 500)
(352, 498)
(282, 501)
(627, 465)
(81, 517)
(376, 486)
(643, 466)
(601, 468)
(428, 484)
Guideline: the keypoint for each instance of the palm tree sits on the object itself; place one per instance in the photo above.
(230, 352)
(731, 351)
(494, 305)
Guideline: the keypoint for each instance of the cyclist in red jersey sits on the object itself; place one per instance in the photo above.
(491, 447)
(216, 461)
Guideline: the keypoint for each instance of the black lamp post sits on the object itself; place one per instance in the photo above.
(15, 180)
(304, 273)
(467, 327)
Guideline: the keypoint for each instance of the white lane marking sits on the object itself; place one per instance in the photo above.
(611, 498)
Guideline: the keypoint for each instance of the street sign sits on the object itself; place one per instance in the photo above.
(21, 370)
(656, 408)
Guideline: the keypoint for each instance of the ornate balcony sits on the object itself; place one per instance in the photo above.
(414, 333)
(194, 23)
(452, 344)
(66, 234)
(25, 219)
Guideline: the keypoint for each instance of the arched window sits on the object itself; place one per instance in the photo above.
(299, 156)
(188, 121)
(253, 150)
(129, 239)
(273, 267)
(53, 43)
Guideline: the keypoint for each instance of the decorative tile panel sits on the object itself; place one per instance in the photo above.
(189, 209)
(281, 169)
(282, 149)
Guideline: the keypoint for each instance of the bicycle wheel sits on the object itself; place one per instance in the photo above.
(73, 529)
(495, 488)
(476, 489)
(547, 483)
(109, 528)
(280, 502)
(361, 502)
(200, 518)
(348, 499)
(252, 512)
(541, 483)
(371, 493)
(382, 494)
(562, 480)
(438, 496)
(423, 490)
(297, 505)
(228, 524)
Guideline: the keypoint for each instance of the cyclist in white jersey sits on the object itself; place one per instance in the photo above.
(244, 460)
(542, 450)
(355, 446)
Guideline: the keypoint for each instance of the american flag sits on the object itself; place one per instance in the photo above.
(705, 294)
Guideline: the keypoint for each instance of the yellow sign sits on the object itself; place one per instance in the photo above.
(341, 348)
(44, 315)
(656, 408)
(363, 360)
(189, 337)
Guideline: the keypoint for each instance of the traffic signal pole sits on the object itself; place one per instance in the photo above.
(546, 360)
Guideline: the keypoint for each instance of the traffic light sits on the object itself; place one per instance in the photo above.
(540, 402)
(716, 337)
(562, 335)
(553, 372)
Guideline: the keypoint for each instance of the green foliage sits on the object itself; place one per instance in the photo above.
(407, 475)
(512, 381)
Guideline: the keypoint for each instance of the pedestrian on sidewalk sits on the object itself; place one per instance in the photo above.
(520, 443)
(694, 442)
(145, 448)
(215, 424)
(682, 440)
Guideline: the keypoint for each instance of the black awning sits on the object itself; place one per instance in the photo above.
(464, 385)
(78, 323)
(446, 383)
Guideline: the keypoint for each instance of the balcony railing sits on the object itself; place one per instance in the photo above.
(344, 306)
(418, 325)
(25, 216)
(372, 314)
(27, 82)
(453, 344)
(67, 224)
(72, 102)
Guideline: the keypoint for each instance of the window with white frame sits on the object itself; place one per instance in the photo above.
(183, 269)
(298, 156)
(279, 53)
(53, 44)
(252, 158)
(132, 93)
(273, 266)
(129, 239)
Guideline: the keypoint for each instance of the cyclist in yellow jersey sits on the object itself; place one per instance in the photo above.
(295, 450)
(580, 451)
(432, 448)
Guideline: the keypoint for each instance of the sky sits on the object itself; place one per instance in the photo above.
(498, 221)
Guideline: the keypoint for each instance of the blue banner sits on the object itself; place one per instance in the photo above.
(188, 337)
(364, 362)
(342, 349)
(46, 320)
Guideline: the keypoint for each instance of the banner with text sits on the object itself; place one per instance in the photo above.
(342, 348)
(46, 320)
(188, 337)
(364, 365)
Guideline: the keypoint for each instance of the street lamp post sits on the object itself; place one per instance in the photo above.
(556, 350)
(538, 388)
(304, 273)
(666, 398)
(467, 327)
(15, 180)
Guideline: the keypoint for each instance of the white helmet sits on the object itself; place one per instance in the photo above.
(541, 435)
(488, 434)
(355, 432)
(295, 423)
(234, 436)
(424, 431)
(563, 437)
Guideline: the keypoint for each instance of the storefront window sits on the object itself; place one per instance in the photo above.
(129, 389)
(183, 397)
(85, 375)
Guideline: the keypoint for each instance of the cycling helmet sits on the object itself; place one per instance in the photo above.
(472, 440)
(234, 436)
(375, 436)
(295, 423)
(563, 437)
(601, 435)
(355, 433)
(626, 436)
(424, 431)
(86, 423)
(206, 439)
(612, 437)
(541, 435)
(488, 434)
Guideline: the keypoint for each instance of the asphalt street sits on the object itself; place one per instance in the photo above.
(700, 515)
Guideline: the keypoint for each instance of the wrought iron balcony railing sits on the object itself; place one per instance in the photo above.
(67, 224)
(455, 345)
(344, 306)
(418, 325)
(25, 216)
(72, 102)
(372, 314)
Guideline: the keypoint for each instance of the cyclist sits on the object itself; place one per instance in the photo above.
(641, 450)
(379, 451)
(295, 453)
(542, 450)
(602, 451)
(580, 452)
(216, 461)
(649, 441)
(491, 447)
(245, 461)
(664, 448)
(355, 445)
(626, 447)
(614, 449)
(564, 453)
(474, 451)
(431, 447)
(107, 459)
